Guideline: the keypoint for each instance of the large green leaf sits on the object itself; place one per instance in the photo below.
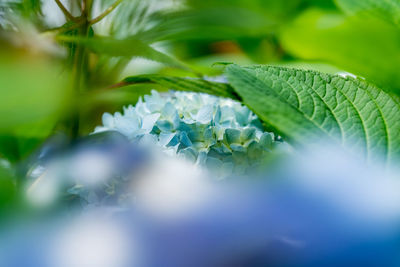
(307, 105)
(369, 47)
(388, 10)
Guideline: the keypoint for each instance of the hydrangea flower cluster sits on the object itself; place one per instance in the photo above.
(218, 133)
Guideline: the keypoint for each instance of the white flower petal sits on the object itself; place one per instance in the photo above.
(149, 121)
(108, 120)
(205, 114)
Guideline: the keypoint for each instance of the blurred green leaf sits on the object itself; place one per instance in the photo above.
(129, 47)
(15, 148)
(7, 188)
(369, 48)
(324, 4)
(32, 6)
(206, 24)
(276, 10)
(388, 10)
(183, 84)
(9, 148)
(12, 11)
(32, 90)
(308, 105)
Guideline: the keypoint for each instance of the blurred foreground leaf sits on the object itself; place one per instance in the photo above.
(307, 105)
(32, 90)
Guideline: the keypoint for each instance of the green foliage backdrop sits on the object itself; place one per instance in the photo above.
(66, 62)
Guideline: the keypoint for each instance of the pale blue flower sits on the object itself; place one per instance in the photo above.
(218, 133)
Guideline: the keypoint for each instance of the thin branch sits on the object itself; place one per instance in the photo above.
(64, 28)
(106, 12)
(64, 10)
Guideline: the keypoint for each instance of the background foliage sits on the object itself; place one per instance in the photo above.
(66, 62)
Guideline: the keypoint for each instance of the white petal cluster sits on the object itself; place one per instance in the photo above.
(218, 133)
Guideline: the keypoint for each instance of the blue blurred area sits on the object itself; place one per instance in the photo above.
(341, 214)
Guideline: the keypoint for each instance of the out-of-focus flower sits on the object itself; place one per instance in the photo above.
(95, 171)
(171, 187)
(92, 240)
(218, 133)
(319, 207)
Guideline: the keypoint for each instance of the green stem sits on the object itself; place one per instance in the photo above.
(65, 11)
(80, 65)
(106, 12)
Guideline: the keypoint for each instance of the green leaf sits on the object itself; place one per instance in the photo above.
(307, 105)
(129, 47)
(8, 191)
(369, 47)
(30, 9)
(212, 23)
(183, 84)
(16, 148)
(32, 6)
(9, 148)
(32, 91)
(388, 10)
